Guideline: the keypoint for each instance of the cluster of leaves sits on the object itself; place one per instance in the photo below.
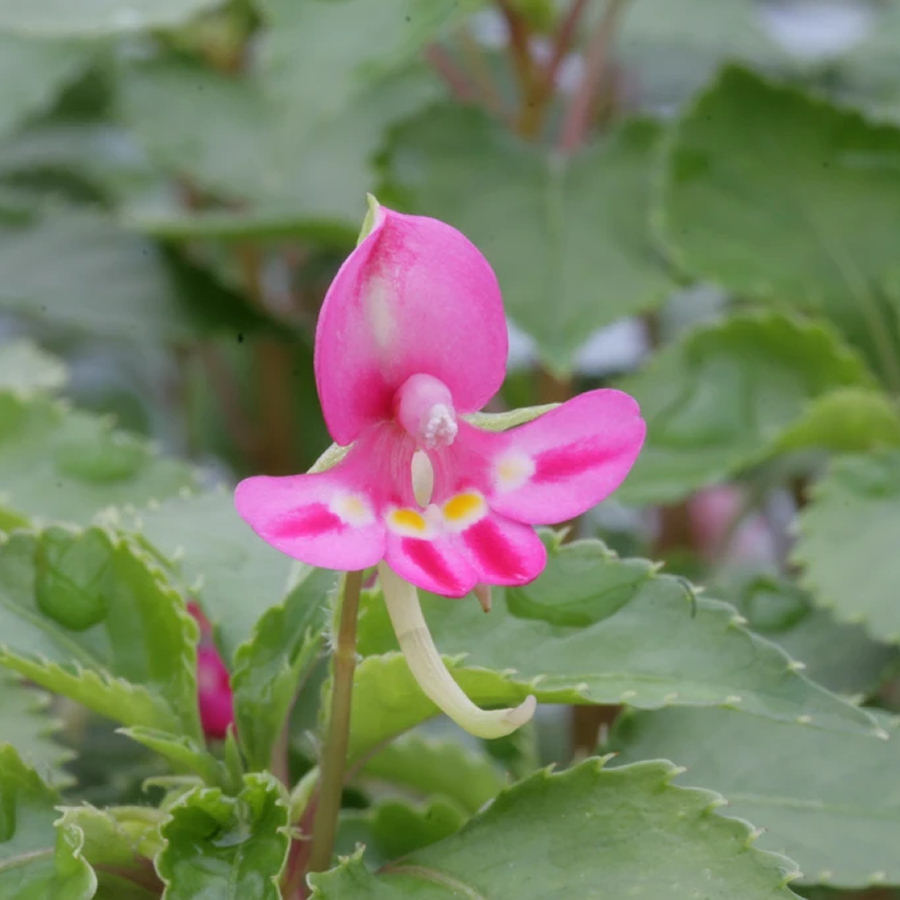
(178, 180)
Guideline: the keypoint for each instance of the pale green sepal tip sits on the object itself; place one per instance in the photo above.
(370, 219)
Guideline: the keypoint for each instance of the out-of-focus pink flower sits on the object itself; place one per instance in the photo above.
(213, 687)
(411, 337)
(717, 527)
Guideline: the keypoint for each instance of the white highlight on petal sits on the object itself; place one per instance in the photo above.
(354, 509)
(378, 311)
(440, 428)
(427, 667)
(512, 470)
(422, 478)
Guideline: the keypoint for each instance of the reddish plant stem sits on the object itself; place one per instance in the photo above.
(457, 80)
(596, 58)
(481, 74)
(563, 41)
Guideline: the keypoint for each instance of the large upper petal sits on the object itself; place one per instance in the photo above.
(416, 296)
(550, 469)
(333, 519)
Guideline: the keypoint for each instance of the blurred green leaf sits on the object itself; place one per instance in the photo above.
(829, 801)
(37, 862)
(33, 72)
(846, 420)
(61, 18)
(647, 650)
(25, 368)
(673, 47)
(28, 723)
(393, 828)
(83, 272)
(726, 396)
(88, 616)
(119, 842)
(433, 767)
(230, 848)
(271, 667)
(286, 173)
(839, 656)
(570, 242)
(848, 542)
(183, 754)
(629, 829)
(216, 558)
(780, 197)
(59, 464)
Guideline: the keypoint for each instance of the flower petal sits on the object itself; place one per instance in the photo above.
(553, 468)
(436, 564)
(333, 519)
(504, 552)
(415, 296)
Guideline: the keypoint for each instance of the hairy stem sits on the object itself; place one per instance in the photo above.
(334, 752)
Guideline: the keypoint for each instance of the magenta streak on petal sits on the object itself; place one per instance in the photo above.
(493, 551)
(310, 520)
(563, 462)
(427, 557)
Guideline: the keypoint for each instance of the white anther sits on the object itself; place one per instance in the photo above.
(422, 478)
(440, 429)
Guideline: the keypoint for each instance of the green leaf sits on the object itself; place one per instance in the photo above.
(85, 614)
(25, 369)
(271, 667)
(184, 754)
(724, 396)
(250, 141)
(838, 656)
(830, 801)
(673, 47)
(392, 828)
(32, 73)
(780, 197)
(637, 643)
(58, 464)
(631, 831)
(847, 420)
(96, 17)
(569, 242)
(230, 848)
(84, 272)
(36, 862)
(119, 842)
(431, 767)
(27, 723)
(848, 542)
(216, 558)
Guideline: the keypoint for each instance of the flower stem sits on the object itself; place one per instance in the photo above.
(334, 753)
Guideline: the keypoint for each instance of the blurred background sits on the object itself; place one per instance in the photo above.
(179, 180)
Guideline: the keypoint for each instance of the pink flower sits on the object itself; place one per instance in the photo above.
(213, 686)
(411, 337)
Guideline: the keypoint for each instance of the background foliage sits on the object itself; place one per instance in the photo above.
(698, 202)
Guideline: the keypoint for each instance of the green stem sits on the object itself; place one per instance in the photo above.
(334, 753)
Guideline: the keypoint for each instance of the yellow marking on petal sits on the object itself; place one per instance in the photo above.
(463, 505)
(407, 520)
